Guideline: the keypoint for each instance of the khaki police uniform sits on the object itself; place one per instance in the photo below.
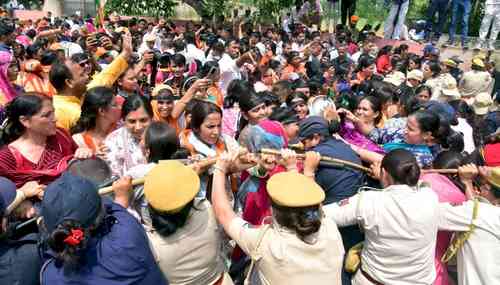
(280, 256)
(474, 82)
(193, 254)
(400, 225)
(286, 259)
(478, 259)
(435, 84)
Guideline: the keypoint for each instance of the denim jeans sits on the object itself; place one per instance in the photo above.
(441, 8)
(391, 30)
(464, 7)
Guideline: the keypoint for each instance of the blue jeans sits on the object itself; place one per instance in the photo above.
(457, 6)
(393, 30)
(440, 7)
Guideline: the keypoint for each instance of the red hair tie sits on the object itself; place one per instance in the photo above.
(74, 238)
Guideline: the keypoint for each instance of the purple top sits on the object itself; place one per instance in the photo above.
(349, 132)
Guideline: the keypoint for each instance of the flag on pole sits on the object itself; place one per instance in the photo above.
(99, 4)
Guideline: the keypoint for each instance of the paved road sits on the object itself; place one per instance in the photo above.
(465, 55)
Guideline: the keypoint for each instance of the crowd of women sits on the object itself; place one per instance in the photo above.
(206, 119)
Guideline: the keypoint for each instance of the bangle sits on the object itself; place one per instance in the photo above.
(309, 174)
(219, 169)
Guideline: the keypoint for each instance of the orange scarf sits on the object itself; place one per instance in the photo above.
(174, 123)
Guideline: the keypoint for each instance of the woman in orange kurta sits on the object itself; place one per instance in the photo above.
(163, 105)
(294, 66)
(34, 78)
(211, 71)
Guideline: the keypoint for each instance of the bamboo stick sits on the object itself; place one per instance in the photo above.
(323, 158)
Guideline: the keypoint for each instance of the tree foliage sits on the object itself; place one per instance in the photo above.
(216, 9)
(270, 10)
(151, 8)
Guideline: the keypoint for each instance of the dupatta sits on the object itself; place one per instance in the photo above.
(7, 90)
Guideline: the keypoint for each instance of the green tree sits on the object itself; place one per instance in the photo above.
(268, 11)
(141, 7)
(216, 10)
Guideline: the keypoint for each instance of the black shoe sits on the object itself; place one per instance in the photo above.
(435, 40)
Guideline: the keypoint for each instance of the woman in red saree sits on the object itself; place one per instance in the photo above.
(33, 148)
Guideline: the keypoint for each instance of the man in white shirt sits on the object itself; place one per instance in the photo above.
(478, 259)
(365, 50)
(192, 52)
(231, 62)
(149, 43)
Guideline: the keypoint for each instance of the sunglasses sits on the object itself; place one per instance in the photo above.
(83, 63)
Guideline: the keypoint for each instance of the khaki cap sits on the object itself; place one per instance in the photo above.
(396, 78)
(416, 74)
(150, 38)
(170, 186)
(450, 62)
(482, 103)
(477, 61)
(449, 88)
(291, 189)
(494, 178)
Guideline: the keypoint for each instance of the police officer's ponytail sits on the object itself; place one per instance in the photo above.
(167, 224)
(68, 241)
(304, 221)
(402, 167)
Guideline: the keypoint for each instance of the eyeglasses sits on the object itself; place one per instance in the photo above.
(84, 63)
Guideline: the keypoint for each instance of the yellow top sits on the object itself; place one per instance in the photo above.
(291, 189)
(170, 186)
(67, 110)
(108, 76)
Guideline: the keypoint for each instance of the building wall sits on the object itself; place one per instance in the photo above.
(84, 7)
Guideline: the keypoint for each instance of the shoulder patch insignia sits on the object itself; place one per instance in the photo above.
(343, 202)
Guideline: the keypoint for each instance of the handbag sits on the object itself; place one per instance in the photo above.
(353, 257)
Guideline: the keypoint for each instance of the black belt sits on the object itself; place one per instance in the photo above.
(367, 276)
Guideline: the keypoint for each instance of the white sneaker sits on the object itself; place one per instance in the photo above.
(491, 45)
(479, 45)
